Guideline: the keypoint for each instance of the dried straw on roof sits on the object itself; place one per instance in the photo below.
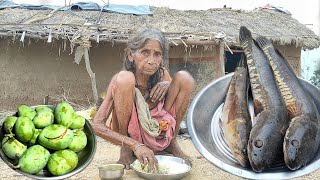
(181, 27)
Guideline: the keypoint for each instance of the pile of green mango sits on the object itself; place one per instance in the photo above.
(44, 138)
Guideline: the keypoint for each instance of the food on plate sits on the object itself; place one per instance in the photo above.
(79, 141)
(63, 113)
(56, 137)
(34, 159)
(43, 118)
(32, 145)
(62, 162)
(24, 129)
(12, 147)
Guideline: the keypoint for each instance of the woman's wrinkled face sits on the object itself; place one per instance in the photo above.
(147, 59)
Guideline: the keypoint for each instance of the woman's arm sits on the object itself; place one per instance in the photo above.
(105, 108)
(159, 91)
(144, 154)
(166, 75)
(100, 128)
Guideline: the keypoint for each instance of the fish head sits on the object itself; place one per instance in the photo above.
(265, 142)
(300, 142)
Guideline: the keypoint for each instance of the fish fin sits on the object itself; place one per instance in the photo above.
(243, 61)
(257, 106)
(244, 35)
(291, 111)
(294, 110)
(263, 42)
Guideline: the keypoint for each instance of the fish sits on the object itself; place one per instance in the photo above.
(235, 120)
(302, 138)
(270, 117)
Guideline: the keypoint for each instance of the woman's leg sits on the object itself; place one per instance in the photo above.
(179, 93)
(123, 99)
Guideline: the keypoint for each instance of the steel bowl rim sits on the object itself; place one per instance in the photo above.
(111, 164)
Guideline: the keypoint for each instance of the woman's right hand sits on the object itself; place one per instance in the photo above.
(146, 157)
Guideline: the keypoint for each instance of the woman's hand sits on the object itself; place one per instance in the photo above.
(146, 157)
(159, 91)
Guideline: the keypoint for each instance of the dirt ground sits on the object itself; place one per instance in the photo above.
(109, 153)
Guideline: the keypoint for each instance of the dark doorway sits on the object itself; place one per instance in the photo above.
(232, 60)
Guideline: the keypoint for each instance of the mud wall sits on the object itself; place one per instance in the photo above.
(204, 63)
(292, 54)
(32, 70)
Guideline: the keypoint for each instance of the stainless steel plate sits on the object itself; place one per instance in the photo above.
(85, 156)
(203, 126)
(162, 159)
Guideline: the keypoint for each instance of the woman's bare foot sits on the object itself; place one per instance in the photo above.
(175, 150)
(126, 157)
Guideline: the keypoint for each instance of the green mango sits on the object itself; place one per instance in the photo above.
(56, 137)
(25, 110)
(43, 119)
(62, 162)
(79, 141)
(34, 159)
(24, 129)
(78, 122)
(35, 136)
(8, 124)
(43, 107)
(63, 113)
(12, 147)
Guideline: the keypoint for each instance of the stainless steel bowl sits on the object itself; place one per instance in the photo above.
(172, 175)
(111, 171)
(202, 123)
(85, 156)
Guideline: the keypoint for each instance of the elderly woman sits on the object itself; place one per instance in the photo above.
(145, 104)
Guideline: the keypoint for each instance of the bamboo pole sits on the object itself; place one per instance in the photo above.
(91, 74)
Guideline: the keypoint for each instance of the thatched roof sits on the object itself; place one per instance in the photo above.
(181, 27)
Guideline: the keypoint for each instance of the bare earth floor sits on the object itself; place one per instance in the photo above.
(109, 153)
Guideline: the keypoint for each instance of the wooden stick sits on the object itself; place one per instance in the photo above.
(91, 74)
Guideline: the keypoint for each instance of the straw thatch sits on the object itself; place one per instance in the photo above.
(181, 27)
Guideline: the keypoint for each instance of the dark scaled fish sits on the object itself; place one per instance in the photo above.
(271, 121)
(235, 121)
(302, 137)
